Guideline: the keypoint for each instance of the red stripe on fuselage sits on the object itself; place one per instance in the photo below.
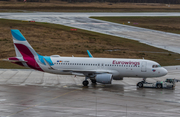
(28, 56)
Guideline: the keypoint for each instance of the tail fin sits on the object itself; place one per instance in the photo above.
(21, 45)
(25, 54)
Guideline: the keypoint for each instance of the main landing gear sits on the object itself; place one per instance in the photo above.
(93, 81)
(86, 82)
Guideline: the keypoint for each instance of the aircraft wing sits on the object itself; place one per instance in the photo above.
(89, 71)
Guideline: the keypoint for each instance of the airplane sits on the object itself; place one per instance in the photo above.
(98, 70)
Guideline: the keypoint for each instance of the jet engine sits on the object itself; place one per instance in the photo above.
(104, 78)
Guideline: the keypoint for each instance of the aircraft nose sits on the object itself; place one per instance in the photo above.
(164, 71)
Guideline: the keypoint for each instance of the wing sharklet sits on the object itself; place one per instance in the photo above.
(90, 55)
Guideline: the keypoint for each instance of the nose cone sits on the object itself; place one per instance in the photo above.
(164, 72)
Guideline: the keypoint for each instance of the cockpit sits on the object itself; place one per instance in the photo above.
(156, 69)
(156, 66)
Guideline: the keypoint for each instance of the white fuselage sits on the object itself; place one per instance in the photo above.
(117, 67)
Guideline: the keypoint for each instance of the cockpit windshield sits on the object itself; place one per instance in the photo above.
(156, 66)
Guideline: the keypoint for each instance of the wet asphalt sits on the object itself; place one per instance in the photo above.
(36, 94)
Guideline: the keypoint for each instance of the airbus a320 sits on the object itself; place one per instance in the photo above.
(100, 70)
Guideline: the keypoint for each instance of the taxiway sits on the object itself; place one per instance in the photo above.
(160, 39)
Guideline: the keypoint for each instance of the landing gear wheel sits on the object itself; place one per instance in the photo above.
(85, 83)
(93, 81)
(159, 86)
(140, 84)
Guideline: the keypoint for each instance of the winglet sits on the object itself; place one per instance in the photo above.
(90, 55)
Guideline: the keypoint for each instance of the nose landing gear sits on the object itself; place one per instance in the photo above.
(144, 79)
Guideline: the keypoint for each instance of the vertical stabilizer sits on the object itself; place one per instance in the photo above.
(22, 47)
(24, 51)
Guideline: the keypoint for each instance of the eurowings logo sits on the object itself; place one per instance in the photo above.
(125, 62)
(153, 70)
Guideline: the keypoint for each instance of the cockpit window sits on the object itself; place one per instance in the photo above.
(156, 66)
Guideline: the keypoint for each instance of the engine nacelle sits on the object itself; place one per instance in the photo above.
(104, 78)
(117, 78)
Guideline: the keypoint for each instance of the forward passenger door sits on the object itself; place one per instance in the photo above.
(143, 66)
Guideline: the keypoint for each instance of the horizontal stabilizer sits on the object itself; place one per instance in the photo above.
(15, 61)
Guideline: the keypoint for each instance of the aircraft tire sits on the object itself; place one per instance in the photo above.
(93, 81)
(85, 83)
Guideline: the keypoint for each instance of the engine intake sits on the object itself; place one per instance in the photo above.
(104, 78)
